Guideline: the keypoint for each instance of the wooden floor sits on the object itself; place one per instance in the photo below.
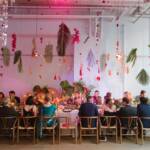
(67, 144)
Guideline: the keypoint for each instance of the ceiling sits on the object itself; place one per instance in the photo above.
(81, 8)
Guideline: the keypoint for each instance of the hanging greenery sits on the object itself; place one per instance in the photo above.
(63, 39)
(48, 53)
(67, 88)
(131, 58)
(143, 77)
(17, 56)
(6, 55)
(20, 66)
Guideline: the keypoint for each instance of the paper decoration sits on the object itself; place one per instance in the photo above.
(57, 77)
(91, 59)
(98, 30)
(48, 53)
(110, 73)
(81, 72)
(76, 36)
(98, 76)
(14, 39)
(41, 40)
(86, 39)
(34, 51)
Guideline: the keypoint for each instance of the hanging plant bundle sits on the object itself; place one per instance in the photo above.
(103, 62)
(17, 56)
(18, 60)
(48, 53)
(63, 39)
(20, 66)
(143, 77)
(6, 55)
(131, 58)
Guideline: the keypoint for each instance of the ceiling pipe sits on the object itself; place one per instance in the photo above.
(141, 15)
(12, 16)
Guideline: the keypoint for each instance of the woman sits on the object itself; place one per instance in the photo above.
(30, 108)
(46, 110)
(2, 98)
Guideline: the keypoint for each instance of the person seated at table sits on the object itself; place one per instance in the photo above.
(128, 95)
(13, 97)
(142, 94)
(30, 108)
(109, 108)
(6, 111)
(2, 98)
(108, 96)
(96, 98)
(143, 110)
(48, 109)
(88, 109)
(126, 110)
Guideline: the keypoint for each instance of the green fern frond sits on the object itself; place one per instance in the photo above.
(131, 58)
(143, 77)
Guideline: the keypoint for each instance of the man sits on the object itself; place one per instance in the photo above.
(143, 110)
(142, 94)
(14, 98)
(6, 111)
(88, 109)
(126, 111)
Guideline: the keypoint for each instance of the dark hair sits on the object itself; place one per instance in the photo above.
(88, 98)
(143, 100)
(47, 99)
(36, 88)
(3, 95)
(29, 101)
(108, 100)
(11, 92)
(125, 100)
(142, 92)
(96, 91)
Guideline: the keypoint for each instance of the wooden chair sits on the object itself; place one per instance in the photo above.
(109, 123)
(8, 126)
(142, 128)
(128, 127)
(26, 127)
(89, 127)
(49, 124)
(66, 126)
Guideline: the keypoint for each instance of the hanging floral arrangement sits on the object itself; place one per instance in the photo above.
(18, 60)
(63, 39)
(76, 36)
(14, 39)
(143, 77)
(48, 53)
(131, 58)
(6, 55)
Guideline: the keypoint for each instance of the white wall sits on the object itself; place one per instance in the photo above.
(134, 36)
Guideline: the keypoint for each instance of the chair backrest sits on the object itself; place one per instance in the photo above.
(89, 122)
(108, 121)
(27, 121)
(128, 122)
(144, 122)
(8, 122)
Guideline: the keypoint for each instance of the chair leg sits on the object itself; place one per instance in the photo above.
(59, 136)
(34, 136)
(142, 136)
(13, 136)
(120, 136)
(116, 135)
(75, 135)
(80, 136)
(137, 136)
(17, 135)
(53, 136)
(97, 137)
